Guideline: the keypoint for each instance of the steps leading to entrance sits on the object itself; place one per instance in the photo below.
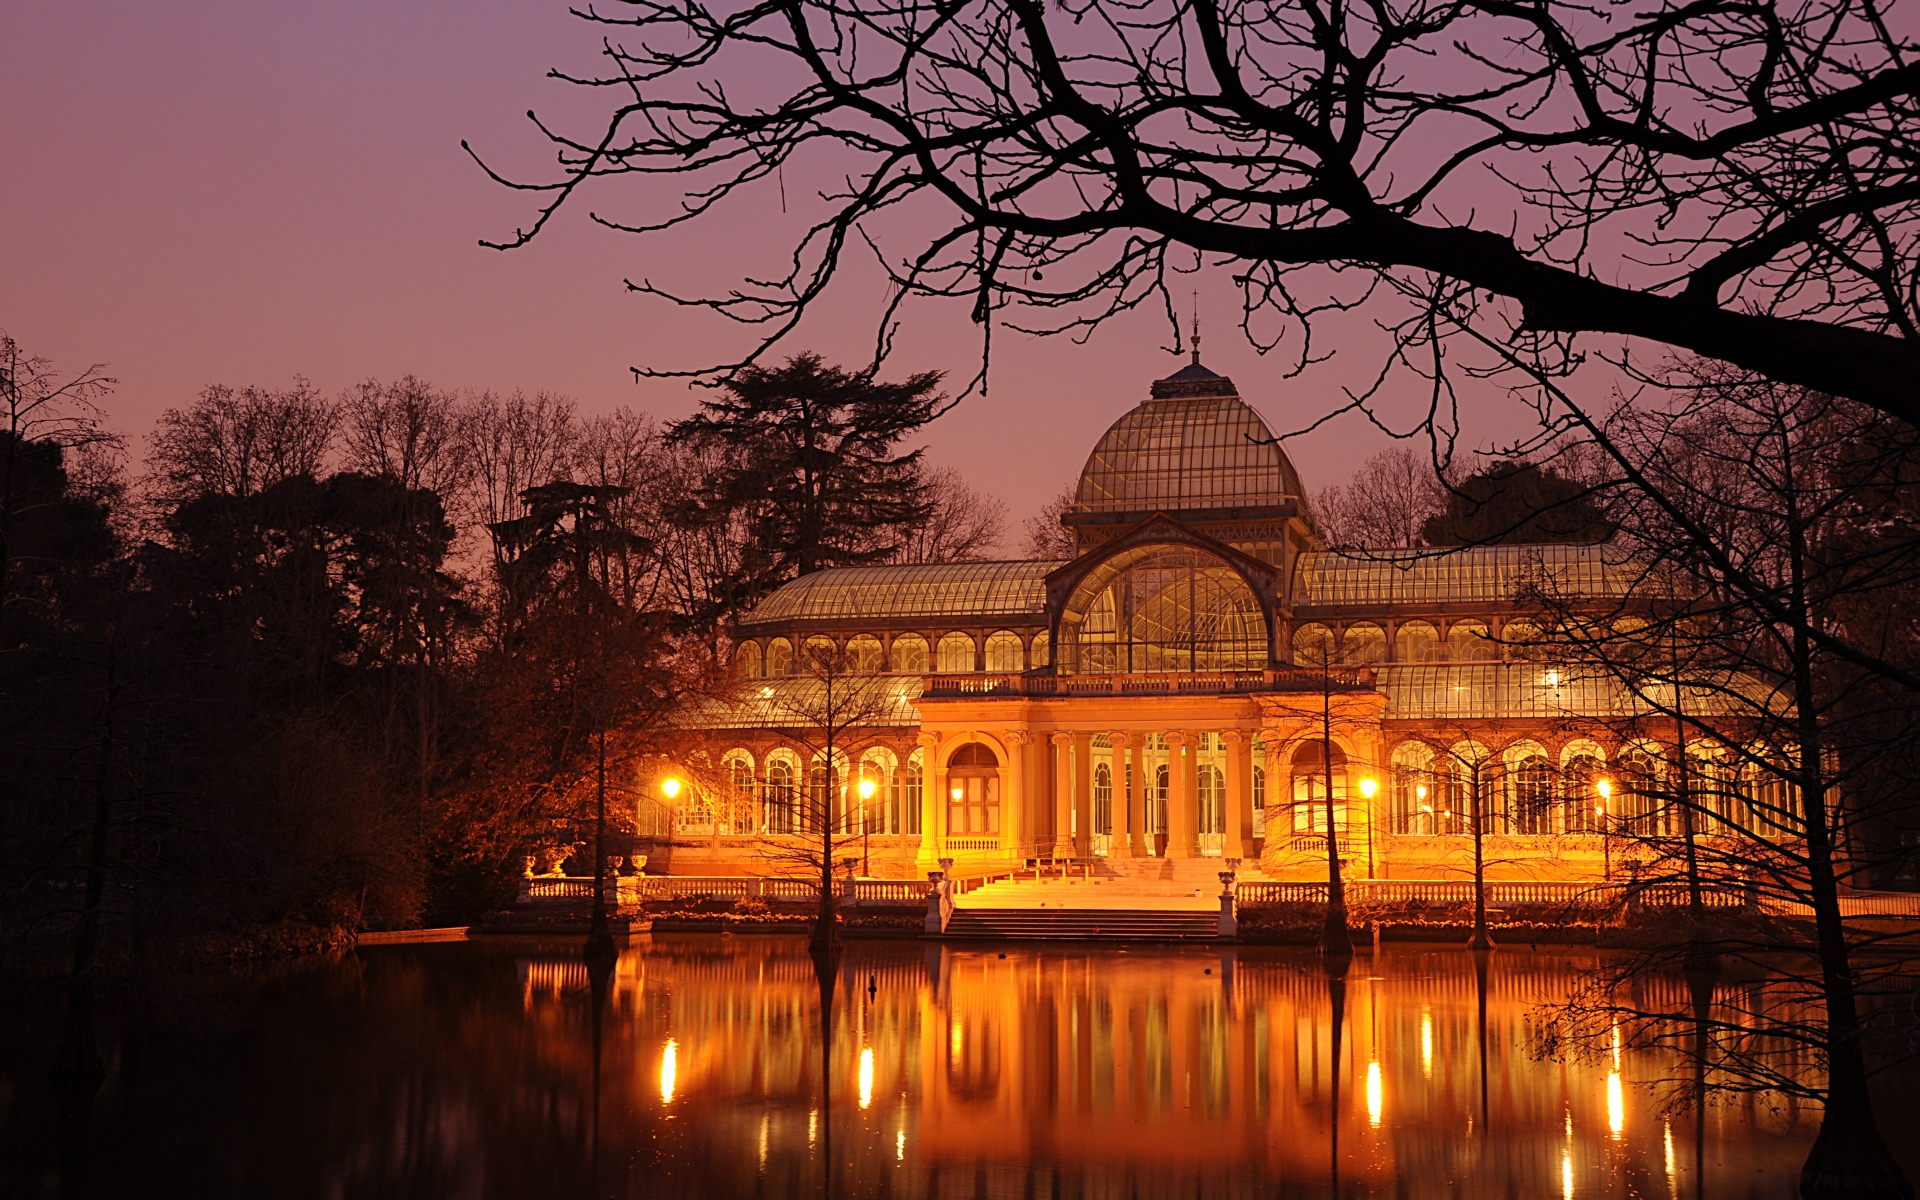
(1118, 885)
(1115, 924)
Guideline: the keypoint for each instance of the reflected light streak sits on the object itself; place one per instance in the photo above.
(1616, 1107)
(813, 1126)
(1426, 1042)
(669, 1070)
(866, 1077)
(1667, 1137)
(1616, 1047)
(900, 1146)
(954, 1040)
(1566, 1176)
(1373, 1094)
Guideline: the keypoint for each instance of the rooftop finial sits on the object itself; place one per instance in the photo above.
(1196, 327)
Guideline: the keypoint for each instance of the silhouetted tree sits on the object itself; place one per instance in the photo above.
(1511, 502)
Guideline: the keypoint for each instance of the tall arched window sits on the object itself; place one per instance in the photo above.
(973, 803)
(744, 800)
(1532, 795)
(1259, 802)
(1313, 646)
(1102, 802)
(956, 654)
(1413, 803)
(1161, 608)
(1471, 641)
(1003, 652)
(1363, 645)
(863, 654)
(779, 799)
(1211, 808)
(1416, 641)
(1156, 808)
(1042, 652)
(1581, 809)
(1639, 805)
(912, 781)
(910, 654)
(1310, 777)
(746, 660)
(779, 657)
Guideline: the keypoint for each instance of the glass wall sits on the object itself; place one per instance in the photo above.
(1162, 608)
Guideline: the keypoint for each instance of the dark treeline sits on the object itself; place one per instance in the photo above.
(321, 663)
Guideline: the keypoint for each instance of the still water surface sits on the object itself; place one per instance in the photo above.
(469, 1070)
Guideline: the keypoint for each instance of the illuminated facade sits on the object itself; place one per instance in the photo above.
(1177, 688)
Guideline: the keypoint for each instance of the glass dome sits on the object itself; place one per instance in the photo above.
(1162, 608)
(1186, 453)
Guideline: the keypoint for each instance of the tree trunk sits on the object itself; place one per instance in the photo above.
(1336, 940)
(1481, 939)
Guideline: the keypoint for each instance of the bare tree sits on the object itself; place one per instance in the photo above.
(1733, 179)
(963, 525)
(837, 710)
(406, 430)
(1047, 538)
(1384, 506)
(40, 409)
(241, 442)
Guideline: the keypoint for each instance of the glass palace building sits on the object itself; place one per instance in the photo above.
(1175, 690)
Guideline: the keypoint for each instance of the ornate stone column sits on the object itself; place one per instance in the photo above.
(933, 800)
(1063, 795)
(1082, 795)
(1014, 802)
(1239, 832)
(1127, 782)
(1180, 779)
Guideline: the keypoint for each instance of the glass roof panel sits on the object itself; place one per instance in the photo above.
(973, 593)
(798, 702)
(1184, 454)
(1472, 575)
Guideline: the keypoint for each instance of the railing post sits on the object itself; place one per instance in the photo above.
(936, 909)
(1229, 920)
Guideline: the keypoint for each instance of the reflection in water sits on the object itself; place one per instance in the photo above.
(464, 1071)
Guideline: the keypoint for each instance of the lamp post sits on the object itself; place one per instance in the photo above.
(867, 789)
(1368, 787)
(1605, 788)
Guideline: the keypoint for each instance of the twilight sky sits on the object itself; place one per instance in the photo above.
(224, 191)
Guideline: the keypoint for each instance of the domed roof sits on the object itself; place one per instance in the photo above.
(1194, 446)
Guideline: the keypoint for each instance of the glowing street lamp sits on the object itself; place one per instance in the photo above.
(671, 787)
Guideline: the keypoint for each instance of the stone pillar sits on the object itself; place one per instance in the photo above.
(1180, 780)
(1082, 795)
(1239, 839)
(933, 799)
(1062, 795)
(1279, 818)
(1127, 791)
(1014, 801)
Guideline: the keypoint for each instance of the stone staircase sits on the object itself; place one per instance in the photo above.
(1151, 899)
(1135, 925)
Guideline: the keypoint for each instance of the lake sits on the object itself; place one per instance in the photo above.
(470, 1070)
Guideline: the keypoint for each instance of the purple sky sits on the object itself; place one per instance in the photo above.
(240, 192)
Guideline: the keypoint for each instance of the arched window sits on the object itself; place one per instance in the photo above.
(779, 657)
(864, 656)
(1103, 800)
(746, 660)
(1259, 802)
(1414, 804)
(1416, 642)
(1767, 797)
(1363, 645)
(912, 781)
(1471, 641)
(1212, 801)
(780, 802)
(910, 654)
(956, 654)
(743, 799)
(1523, 641)
(1156, 807)
(1041, 653)
(1162, 608)
(1313, 646)
(826, 800)
(1638, 803)
(1581, 808)
(819, 656)
(1003, 652)
(1532, 806)
(1310, 778)
(973, 784)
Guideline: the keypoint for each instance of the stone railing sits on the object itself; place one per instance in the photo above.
(1169, 683)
